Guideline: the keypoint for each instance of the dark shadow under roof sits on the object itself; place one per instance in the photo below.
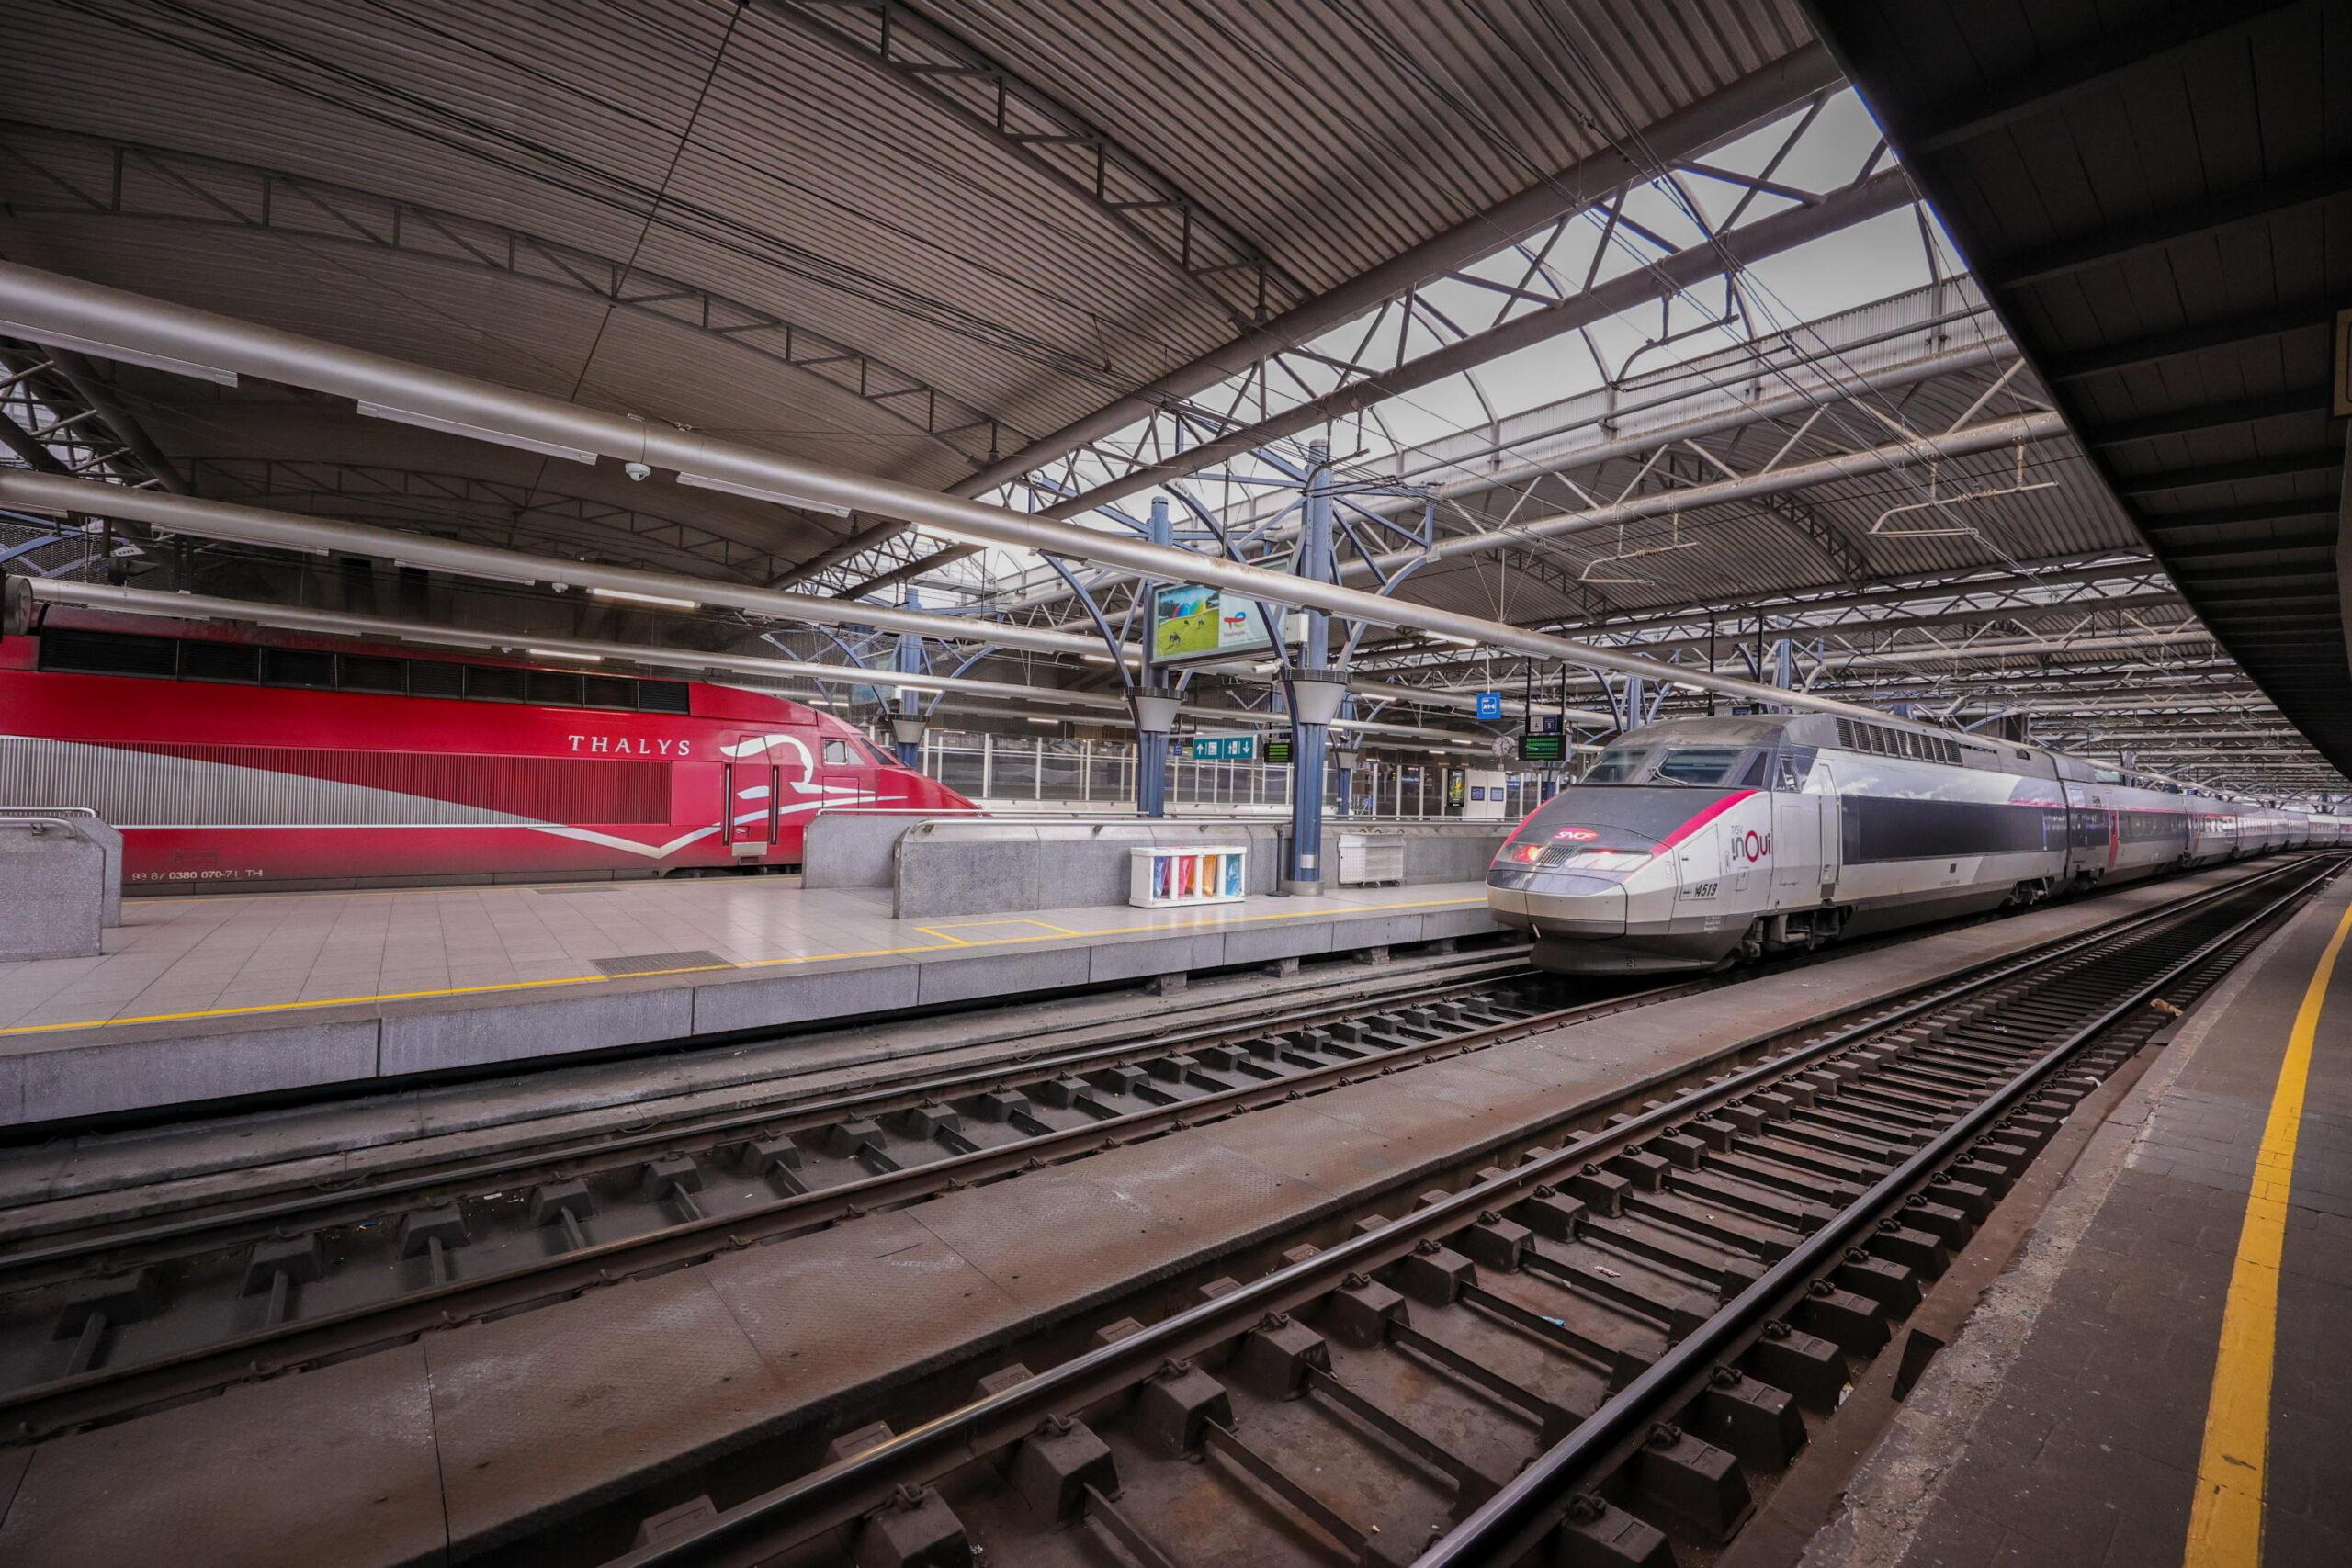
(2158, 200)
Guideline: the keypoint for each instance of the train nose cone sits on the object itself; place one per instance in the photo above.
(1573, 883)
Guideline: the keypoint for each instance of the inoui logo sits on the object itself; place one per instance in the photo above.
(622, 746)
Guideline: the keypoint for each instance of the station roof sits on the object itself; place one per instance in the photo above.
(2158, 200)
(1542, 258)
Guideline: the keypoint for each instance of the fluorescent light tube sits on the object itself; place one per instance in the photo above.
(564, 653)
(699, 482)
(478, 433)
(628, 597)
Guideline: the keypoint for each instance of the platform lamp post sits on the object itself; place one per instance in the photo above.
(907, 722)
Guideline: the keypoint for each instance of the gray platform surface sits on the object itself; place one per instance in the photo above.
(612, 1390)
(217, 997)
(2066, 1425)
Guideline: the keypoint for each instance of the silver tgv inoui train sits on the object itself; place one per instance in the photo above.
(1695, 842)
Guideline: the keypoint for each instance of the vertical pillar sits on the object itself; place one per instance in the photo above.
(1154, 704)
(1316, 689)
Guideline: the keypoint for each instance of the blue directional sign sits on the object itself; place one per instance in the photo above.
(1490, 705)
(1225, 748)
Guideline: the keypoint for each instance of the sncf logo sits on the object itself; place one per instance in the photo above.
(622, 746)
(1578, 835)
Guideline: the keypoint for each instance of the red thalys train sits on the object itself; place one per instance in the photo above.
(240, 761)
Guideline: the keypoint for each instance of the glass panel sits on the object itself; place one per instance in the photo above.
(1700, 764)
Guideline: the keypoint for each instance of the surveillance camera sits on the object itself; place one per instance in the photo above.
(637, 470)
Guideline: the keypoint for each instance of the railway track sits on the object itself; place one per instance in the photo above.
(103, 1320)
(1597, 1348)
(218, 1168)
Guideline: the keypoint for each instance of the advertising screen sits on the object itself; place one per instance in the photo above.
(1194, 625)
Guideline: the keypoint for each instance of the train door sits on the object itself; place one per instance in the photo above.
(752, 785)
(844, 776)
(1798, 863)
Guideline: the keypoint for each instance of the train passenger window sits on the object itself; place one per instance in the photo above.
(661, 697)
(436, 677)
(296, 667)
(106, 653)
(1698, 765)
(611, 691)
(370, 672)
(494, 683)
(219, 662)
(559, 688)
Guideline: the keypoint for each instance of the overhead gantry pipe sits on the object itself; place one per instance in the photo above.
(1102, 705)
(68, 312)
(235, 522)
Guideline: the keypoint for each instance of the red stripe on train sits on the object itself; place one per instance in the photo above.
(1702, 820)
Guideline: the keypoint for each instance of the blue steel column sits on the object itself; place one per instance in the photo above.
(1314, 695)
(1151, 744)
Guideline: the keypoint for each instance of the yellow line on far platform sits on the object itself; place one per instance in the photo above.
(947, 944)
(2225, 1519)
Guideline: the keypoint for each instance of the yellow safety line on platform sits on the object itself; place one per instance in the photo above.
(949, 944)
(2225, 1520)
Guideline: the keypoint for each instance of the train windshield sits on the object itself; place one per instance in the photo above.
(1700, 765)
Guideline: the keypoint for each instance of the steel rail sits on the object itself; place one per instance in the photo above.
(840, 1493)
(1499, 1530)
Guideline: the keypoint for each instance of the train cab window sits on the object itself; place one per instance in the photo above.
(1759, 768)
(1786, 778)
(1616, 765)
(1698, 765)
(296, 667)
(839, 755)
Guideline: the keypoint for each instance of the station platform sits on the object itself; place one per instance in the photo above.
(446, 1447)
(226, 996)
(2164, 1376)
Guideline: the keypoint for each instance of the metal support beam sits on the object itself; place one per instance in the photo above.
(160, 186)
(1171, 228)
(50, 308)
